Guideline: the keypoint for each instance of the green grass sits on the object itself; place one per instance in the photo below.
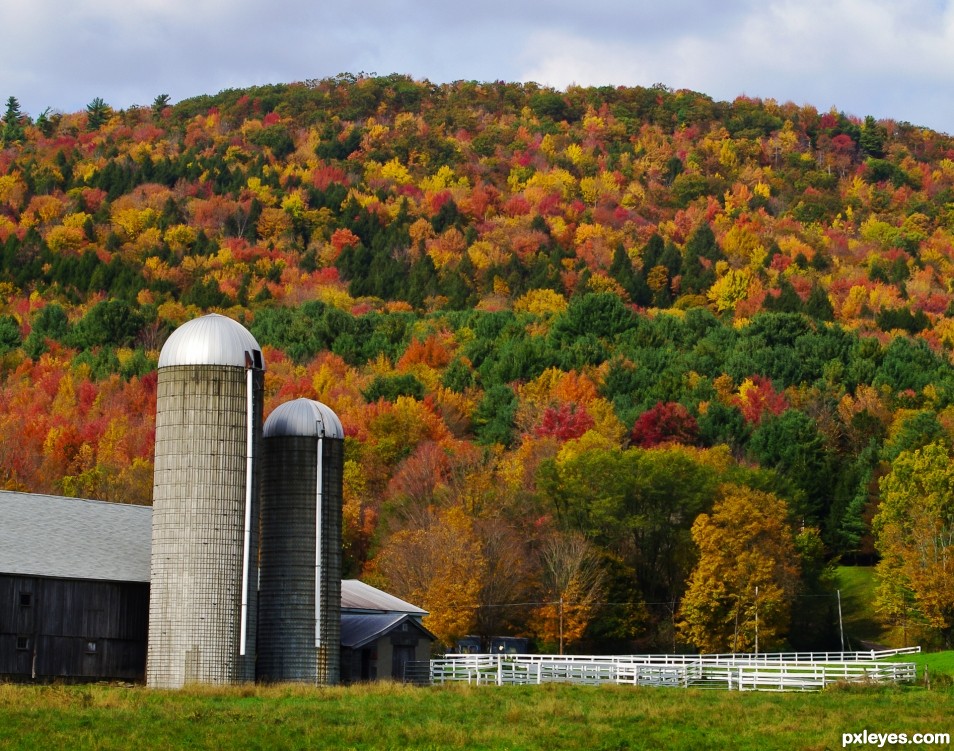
(858, 584)
(389, 716)
(938, 664)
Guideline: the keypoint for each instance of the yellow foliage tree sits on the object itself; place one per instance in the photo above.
(741, 590)
(438, 565)
(914, 533)
(129, 223)
(729, 290)
(62, 238)
(13, 190)
(540, 302)
(274, 224)
(447, 248)
(396, 172)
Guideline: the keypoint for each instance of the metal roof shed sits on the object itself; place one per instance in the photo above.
(381, 635)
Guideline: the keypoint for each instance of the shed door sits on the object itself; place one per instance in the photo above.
(401, 654)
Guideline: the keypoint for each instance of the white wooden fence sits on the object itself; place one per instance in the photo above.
(795, 671)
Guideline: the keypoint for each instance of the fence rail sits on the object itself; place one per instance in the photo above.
(743, 672)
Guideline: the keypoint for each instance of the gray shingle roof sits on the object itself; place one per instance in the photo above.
(46, 535)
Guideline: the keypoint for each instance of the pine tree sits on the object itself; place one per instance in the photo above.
(818, 305)
(159, 104)
(12, 123)
(97, 113)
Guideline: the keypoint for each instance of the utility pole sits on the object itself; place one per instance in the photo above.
(841, 627)
(561, 624)
(756, 621)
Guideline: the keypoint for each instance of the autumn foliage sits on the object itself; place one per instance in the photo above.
(541, 315)
(741, 591)
(663, 423)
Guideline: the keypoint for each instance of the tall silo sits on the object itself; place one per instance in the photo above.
(299, 636)
(203, 594)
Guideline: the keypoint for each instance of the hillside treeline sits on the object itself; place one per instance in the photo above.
(626, 367)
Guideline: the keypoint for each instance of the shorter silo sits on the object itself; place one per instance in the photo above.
(299, 623)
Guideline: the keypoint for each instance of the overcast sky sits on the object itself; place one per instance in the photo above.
(887, 58)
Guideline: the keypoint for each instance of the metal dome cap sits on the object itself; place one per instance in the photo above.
(303, 417)
(212, 340)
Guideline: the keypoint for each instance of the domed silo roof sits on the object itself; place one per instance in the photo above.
(303, 417)
(211, 340)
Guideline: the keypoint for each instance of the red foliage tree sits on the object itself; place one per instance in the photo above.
(757, 397)
(564, 422)
(667, 422)
(430, 352)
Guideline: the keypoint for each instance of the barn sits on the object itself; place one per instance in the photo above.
(74, 588)
(74, 598)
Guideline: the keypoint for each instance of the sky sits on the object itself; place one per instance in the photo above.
(893, 59)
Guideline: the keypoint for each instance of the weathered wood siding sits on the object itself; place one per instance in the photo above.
(72, 629)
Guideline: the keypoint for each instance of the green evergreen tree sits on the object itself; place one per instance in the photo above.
(818, 305)
(422, 281)
(9, 334)
(159, 104)
(872, 138)
(97, 113)
(701, 254)
(787, 301)
(629, 278)
(12, 123)
(494, 416)
(47, 122)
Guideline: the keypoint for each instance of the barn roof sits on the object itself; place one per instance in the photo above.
(360, 629)
(72, 538)
(358, 597)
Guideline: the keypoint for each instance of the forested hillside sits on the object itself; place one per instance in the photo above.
(641, 362)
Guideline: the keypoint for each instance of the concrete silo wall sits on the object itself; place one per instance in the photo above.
(199, 525)
(287, 649)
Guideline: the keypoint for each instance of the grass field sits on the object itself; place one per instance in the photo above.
(390, 716)
(857, 584)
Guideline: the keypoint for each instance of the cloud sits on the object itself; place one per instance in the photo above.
(890, 58)
(876, 57)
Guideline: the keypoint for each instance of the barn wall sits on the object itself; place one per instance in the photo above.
(383, 659)
(72, 629)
